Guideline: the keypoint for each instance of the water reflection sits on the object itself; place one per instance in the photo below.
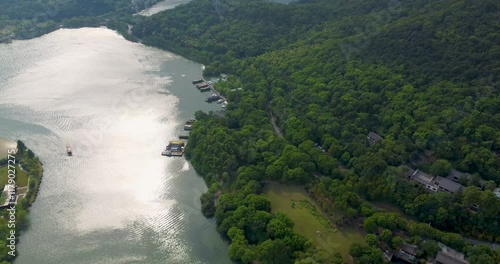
(116, 200)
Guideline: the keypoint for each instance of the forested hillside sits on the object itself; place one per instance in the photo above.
(421, 74)
(33, 18)
(216, 32)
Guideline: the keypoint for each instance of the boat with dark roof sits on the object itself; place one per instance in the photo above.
(212, 98)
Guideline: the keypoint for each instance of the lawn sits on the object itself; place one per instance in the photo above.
(22, 177)
(309, 220)
(3, 197)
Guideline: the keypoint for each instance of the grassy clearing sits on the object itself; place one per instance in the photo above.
(22, 177)
(309, 220)
(3, 197)
(230, 85)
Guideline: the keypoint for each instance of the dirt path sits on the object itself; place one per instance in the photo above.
(276, 128)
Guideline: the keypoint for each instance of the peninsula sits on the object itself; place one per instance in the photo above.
(21, 173)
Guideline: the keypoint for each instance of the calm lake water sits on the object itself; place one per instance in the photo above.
(117, 200)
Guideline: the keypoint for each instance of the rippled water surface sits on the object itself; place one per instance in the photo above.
(117, 103)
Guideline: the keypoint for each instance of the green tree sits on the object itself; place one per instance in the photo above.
(386, 235)
(441, 167)
(429, 248)
(397, 242)
(371, 240)
(273, 251)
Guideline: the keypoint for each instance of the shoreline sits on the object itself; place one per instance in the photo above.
(16, 208)
(125, 36)
(193, 71)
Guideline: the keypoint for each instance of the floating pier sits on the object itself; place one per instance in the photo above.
(189, 124)
(205, 86)
(174, 148)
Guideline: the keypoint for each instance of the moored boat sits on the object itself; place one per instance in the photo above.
(212, 98)
(205, 89)
(202, 85)
(189, 124)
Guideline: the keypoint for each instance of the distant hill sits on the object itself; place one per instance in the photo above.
(32, 18)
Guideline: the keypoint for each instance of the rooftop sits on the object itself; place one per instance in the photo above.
(374, 138)
(448, 255)
(449, 184)
(421, 177)
(497, 192)
(410, 249)
(446, 258)
(455, 175)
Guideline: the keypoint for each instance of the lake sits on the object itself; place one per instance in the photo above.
(118, 103)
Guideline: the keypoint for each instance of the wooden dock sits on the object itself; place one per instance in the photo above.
(203, 86)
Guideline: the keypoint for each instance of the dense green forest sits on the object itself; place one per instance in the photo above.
(421, 74)
(33, 18)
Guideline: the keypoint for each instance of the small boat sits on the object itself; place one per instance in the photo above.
(220, 101)
(201, 85)
(198, 81)
(205, 89)
(69, 151)
(212, 98)
(189, 124)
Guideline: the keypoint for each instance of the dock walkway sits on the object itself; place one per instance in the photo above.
(210, 86)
